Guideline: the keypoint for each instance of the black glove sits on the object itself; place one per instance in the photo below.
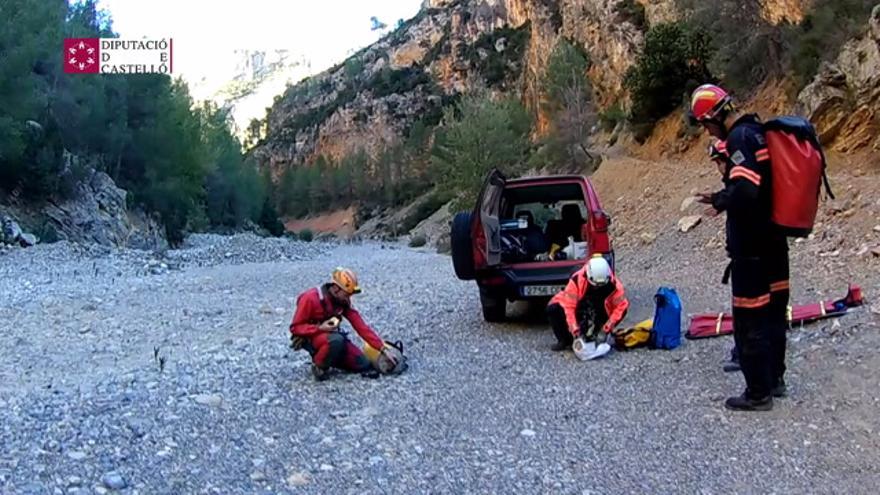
(609, 339)
(371, 374)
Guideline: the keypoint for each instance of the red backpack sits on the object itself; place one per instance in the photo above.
(797, 171)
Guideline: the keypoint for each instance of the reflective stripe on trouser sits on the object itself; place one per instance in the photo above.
(752, 328)
(332, 349)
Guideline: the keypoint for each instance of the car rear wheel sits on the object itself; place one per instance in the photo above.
(462, 247)
(494, 305)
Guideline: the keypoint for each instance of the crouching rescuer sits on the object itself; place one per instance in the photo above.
(316, 328)
(586, 312)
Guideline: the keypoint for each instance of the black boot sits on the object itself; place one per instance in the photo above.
(745, 403)
(780, 390)
(319, 373)
(560, 346)
(732, 365)
(371, 374)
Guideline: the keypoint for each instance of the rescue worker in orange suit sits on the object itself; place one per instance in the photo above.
(594, 299)
(315, 327)
(758, 251)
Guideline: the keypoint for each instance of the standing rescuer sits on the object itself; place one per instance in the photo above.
(593, 299)
(718, 155)
(315, 328)
(757, 249)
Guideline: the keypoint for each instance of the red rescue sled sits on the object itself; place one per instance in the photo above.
(712, 325)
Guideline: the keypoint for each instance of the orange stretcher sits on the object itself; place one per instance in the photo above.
(704, 326)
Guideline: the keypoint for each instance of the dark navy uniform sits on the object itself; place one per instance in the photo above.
(759, 259)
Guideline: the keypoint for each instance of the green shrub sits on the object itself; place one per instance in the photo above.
(498, 67)
(822, 33)
(175, 159)
(478, 135)
(269, 219)
(417, 241)
(388, 81)
(569, 105)
(750, 49)
(611, 117)
(566, 70)
(48, 234)
(674, 61)
(306, 235)
(423, 210)
(353, 68)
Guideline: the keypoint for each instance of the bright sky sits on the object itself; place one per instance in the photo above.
(323, 30)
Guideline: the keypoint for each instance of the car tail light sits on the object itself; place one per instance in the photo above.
(495, 281)
(601, 221)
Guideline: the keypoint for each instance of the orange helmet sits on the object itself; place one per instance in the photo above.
(346, 280)
(708, 102)
(718, 150)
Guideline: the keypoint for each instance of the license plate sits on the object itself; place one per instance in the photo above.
(542, 290)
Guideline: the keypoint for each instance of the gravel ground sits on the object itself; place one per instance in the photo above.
(119, 374)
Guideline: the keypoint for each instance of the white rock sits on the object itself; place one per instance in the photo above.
(326, 467)
(114, 481)
(77, 455)
(527, 433)
(212, 400)
(686, 224)
(27, 240)
(298, 479)
(687, 203)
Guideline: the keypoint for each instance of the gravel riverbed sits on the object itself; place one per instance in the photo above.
(129, 372)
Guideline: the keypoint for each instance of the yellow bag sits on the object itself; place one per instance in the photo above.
(637, 336)
(383, 365)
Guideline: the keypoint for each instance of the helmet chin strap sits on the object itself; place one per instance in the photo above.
(720, 124)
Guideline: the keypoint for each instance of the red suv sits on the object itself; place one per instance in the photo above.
(526, 237)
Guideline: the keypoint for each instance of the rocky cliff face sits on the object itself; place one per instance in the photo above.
(451, 47)
(96, 213)
(844, 100)
(458, 46)
(779, 11)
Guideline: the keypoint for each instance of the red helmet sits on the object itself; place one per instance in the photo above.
(718, 150)
(708, 102)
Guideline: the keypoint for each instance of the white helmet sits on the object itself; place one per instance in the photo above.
(598, 271)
